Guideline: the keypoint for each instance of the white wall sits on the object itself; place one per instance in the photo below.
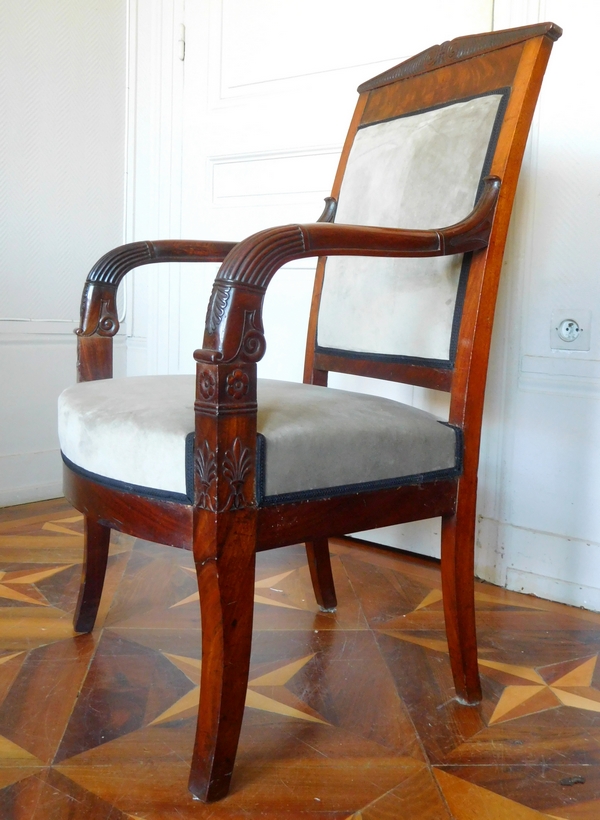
(540, 476)
(62, 150)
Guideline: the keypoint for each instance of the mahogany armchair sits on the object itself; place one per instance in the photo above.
(405, 290)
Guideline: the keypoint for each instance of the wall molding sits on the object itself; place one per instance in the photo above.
(13, 331)
(155, 76)
(563, 375)
(283, 178)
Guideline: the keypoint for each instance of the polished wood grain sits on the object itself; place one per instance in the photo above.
(224, 526)
(348, 715)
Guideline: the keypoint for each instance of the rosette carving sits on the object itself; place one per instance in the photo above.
(207, 384)
(237, 384)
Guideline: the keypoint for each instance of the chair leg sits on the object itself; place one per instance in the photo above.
(96, 543)
(319, 563)
(226, 586)
(458, 539)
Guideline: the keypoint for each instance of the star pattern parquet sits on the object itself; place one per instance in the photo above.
(349, 715)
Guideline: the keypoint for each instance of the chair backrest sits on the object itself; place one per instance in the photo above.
(423, 137)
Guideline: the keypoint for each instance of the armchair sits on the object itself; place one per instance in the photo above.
(410, 248)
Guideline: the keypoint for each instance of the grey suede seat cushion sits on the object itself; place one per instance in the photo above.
(318, 440)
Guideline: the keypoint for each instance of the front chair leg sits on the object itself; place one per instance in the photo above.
(96, 543)
(226, 587)
(319, 563)
(458, 589)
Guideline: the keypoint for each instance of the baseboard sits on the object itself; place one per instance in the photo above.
(34, 492)
(553, 589)
(550, 565)
(26, 477)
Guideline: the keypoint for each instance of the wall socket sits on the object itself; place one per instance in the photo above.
(570, 329)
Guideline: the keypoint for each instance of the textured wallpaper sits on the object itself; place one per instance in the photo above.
(62, 149)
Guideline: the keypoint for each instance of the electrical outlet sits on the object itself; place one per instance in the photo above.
(570, 329)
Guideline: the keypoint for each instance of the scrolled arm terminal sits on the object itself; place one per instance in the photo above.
(98, 302)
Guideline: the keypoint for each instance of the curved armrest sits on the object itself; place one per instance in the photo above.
(99, 317)
(234, 324)
(255, 260)
(98, 302)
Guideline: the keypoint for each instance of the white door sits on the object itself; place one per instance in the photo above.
(269, 89)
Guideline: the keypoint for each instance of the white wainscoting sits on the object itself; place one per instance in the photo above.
(38, 360)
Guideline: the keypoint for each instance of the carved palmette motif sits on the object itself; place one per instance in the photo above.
(237, 463)
(206, 468)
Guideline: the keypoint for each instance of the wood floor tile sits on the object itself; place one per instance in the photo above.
(13, 774)
(127, 686)
(349, 716)
(51, 796)
(553, 790)
(330, 788)
(417, 796)
(39, 704)
(470, 802)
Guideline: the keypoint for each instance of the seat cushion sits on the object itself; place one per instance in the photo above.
(314, 441)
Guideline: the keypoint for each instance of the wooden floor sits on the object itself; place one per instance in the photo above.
(349, 716)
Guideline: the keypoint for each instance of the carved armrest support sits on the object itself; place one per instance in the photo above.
(234, 330)
(329, 210)
(98, 303)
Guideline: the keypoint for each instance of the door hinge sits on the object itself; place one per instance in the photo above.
(181, 42)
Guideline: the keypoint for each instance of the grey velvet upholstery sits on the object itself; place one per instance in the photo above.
(317, 439)
(418, 171)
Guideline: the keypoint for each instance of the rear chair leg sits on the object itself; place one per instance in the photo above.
(319, 563)
(458, 588)
(96, 543)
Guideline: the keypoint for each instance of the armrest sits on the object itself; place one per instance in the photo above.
(98, 302)
(99, 317)
(234, 324)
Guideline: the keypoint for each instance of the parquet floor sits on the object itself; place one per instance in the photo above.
(349, 716)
